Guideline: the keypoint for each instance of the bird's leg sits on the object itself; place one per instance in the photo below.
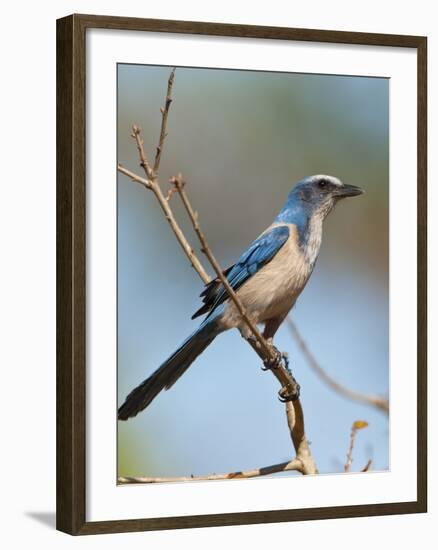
(279, 358)
(271, 327)
(290, 390)
(278, 364)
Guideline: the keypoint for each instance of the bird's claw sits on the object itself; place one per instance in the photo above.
(289, 394)
(275, 361)
(291, 391)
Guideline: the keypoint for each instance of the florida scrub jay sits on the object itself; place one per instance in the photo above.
(268, 278)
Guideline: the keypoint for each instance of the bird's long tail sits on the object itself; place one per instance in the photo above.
(169, 372)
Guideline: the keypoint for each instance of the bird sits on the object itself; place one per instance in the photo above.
(268, 278)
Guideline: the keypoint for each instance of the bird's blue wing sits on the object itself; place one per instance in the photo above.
(254, 258)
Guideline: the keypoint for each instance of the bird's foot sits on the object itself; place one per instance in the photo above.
(275, 361)
(280, 360)
(290, 392)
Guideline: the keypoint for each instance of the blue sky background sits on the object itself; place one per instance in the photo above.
(241, 139)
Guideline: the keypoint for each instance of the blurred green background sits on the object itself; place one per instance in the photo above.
(241, 139)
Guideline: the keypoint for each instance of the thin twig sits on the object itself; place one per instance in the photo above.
(168, 214)
(373, 400)
(358, 425)
(347, 466)
(367, 466)
(134, 177)
(164, 114)
(293, 465)
(144, 163)
(152, 184)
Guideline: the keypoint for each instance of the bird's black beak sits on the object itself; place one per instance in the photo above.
(348, 191)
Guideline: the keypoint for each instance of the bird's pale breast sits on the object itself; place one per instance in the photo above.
(273, 290)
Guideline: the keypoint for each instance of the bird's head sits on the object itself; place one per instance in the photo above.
(316, 195)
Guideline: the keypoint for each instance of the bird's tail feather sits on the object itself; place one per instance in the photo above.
(168, 373)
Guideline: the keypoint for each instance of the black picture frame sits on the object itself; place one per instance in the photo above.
(71, 271)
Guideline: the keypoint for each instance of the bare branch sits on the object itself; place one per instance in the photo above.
(373, 400)
(294, 464)
(134, 177)
(144, 163)
(152, 183)
(170, 193)
(301, 445)
(367, 466)
(358, 425)
(154, 186)
(347, 466)
(302, 463)
(164, 114)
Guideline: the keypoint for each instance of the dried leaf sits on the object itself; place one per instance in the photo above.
(360, 424)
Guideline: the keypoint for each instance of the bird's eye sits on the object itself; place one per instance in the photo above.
(322, 183)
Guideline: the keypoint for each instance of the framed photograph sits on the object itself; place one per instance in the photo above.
(241, 274)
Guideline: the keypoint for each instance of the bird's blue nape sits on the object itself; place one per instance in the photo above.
(297, 211)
